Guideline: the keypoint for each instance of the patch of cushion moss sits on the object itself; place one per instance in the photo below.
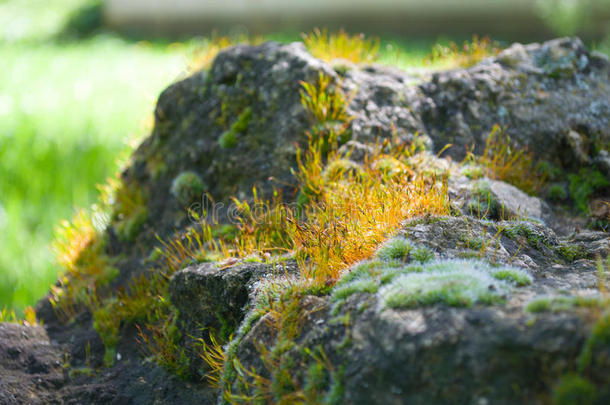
(561, 303)
(482, 204)
(573, 389)
(458, 287)
(187, 187)
(228, 139)
(407, 285)
(397, 248)
(571, 252)
(342, 168)
(583, 184)
(526, 230)
(598, 339)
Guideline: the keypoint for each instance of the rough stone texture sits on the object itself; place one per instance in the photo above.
(497, 354)
(209, 297)
(507, 201)
(30, 367)
(236, 126)
(552, 97)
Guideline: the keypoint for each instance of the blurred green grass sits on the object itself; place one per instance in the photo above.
(67, 110)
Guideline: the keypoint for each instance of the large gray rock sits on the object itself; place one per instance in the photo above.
(501, 353)
(545, 94)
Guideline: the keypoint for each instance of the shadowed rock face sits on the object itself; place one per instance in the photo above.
(237, 125)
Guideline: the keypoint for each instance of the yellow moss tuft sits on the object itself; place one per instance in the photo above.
(204, 55)
(340, 45)
(501, 160)
(468, 54)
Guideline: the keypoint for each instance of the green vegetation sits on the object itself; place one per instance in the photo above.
(395, 249)
(573, 389)
(583, 184)
(459, 288)
(67, 112)
(570, 252)
(557, 192)
(527, 231)
(187, 187)
(407, 285)
(561, 303)
(228, 139)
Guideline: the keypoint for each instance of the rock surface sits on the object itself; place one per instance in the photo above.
(543, 94)
(237, 125)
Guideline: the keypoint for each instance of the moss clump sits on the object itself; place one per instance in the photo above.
(356, 286)
(390, 166)
(187, 187)
(473, 171)
(574, 390)
(556, 304)
(526, 230)
(455, 287)
(422, 255)
(583, 185)
(130, 227)
(341, 168)
(571, 252)
(472, 242)
(557, 192)
(516, 276)
(397, 248)
(228, 139)
(598, 339)
(452, 282)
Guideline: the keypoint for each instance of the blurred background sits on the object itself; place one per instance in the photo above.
(80, 79)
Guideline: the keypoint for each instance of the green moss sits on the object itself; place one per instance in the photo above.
(583, 185)
(187, 187)
(366, 269)
(482, 204)
(598, 339)
(397, 248)
(571, 252)
(228, 139)
(471, 242)
(356, 286)
(388, 274)
(515, 276)
(574, 390)
(526, 230)
(226, 232)
(337, 390)
(472, 171)
(128, 228)
(561, 303)
(557, 192)
(456, 287)
(422, 255)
